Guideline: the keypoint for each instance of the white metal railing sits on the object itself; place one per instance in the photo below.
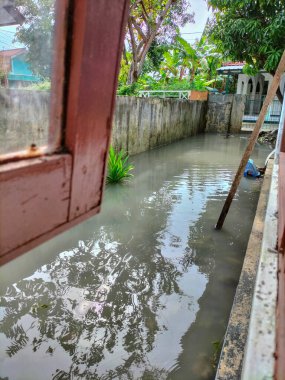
(180, 94)
(266, 127)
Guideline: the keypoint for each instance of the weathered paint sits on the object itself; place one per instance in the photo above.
(281, 202)
(280, 320)
(280, 317)
(92, 95)
(46, 236)
(34, 198)
(59, 73)
(39, 202)
(23, 155)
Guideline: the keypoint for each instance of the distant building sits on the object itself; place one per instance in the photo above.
(255, 89)
(15, 70)
(247, 84)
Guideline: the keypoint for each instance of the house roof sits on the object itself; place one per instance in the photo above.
(11, 52)
(9, 14)
(239, 63)
(231, 68)
(7, 55)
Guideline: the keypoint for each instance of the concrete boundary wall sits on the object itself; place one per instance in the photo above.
(141, 124)
(237, 113)
(224, 113)
(24, 119)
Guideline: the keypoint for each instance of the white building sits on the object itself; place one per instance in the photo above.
(255, 89)
(257, 85)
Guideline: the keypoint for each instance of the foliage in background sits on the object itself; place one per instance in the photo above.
(36, 34)
(200, 58)
(178, 66)
(118, 167)
(152, 22)
(251, 31)
(40, 86)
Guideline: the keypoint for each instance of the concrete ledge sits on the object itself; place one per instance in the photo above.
(231, 359)
(259, 361)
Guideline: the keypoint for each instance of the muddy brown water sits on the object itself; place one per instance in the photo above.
(143, 290)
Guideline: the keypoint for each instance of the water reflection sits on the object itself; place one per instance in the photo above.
(149, 285)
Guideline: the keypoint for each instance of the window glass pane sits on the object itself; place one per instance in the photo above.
(26, 41)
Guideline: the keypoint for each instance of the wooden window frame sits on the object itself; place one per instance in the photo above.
(44, 193)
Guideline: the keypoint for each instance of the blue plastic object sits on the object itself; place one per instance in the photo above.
(251, 170)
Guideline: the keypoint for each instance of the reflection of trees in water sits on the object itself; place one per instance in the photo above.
(41, 310)
(199, 251)
(134, 276)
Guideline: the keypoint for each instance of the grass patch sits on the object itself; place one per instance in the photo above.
(217, 348)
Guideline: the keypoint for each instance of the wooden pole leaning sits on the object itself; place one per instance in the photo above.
(269, 98)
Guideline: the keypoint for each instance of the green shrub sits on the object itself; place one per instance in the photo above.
(128, 89)
(118, 166)
(40, 86)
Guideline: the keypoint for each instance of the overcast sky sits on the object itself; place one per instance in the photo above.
(200, 8)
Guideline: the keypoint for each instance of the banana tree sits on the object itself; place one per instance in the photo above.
(189, 56)
(170, 64)
(201, 57)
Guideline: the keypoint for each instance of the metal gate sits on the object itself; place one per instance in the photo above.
(252, 109)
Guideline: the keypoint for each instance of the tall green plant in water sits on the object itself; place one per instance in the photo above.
(118, 166)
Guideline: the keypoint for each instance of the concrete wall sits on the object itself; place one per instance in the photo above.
(139, 123)
(24, 119)
(224, 113)
(145, 123)
(219, 113)
(237, 113)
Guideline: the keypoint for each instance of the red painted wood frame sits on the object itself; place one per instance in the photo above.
(280, 331)
(40, 197)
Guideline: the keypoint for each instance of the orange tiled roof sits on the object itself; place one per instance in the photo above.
(11, 52)
(233, 64)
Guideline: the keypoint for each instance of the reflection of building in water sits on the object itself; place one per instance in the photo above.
(14, 69)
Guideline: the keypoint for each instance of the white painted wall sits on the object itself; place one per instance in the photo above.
(243, 83)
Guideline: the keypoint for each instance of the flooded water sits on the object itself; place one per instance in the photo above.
(143, 290)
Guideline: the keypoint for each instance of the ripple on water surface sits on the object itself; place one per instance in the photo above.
(142, 290)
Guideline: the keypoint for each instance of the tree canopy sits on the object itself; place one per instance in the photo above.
(251, 31)
(36, 34)
(150, 21)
